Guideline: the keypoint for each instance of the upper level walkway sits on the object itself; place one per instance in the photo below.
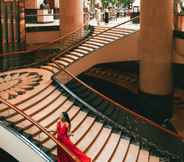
(117, 21)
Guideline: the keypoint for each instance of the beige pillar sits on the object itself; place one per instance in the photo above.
(71, 15)
(155, 58)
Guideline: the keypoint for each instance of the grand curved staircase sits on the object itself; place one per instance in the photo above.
(101, 37)
(33, 91)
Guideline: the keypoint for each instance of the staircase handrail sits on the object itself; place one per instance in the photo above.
(15, 108)
(136, 115)
(117, 105)
(88, 38)
(44, 45)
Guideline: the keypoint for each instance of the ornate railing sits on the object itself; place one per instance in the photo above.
(14, 109)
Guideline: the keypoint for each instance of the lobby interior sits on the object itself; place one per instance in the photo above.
(121, 82)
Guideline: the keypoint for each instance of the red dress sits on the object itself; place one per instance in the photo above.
(63, 137)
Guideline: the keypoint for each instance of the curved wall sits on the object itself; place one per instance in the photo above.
(17, 148)
(124, 49)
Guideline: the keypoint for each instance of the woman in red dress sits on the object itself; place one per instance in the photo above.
(63, 128)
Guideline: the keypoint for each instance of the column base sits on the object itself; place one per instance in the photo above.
(156, 107)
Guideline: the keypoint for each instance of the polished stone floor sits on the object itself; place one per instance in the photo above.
(54, 23)
(16, 85)
(93, 22)
(117, 21)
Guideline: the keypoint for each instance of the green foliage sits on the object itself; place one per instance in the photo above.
(116, 2)
(182, 13)
(105, 3)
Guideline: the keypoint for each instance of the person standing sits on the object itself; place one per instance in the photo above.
(106, 16)
(63, 133)
(45, 5)
(98, 13)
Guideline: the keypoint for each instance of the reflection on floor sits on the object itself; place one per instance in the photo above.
(117, 21)
(54, 23)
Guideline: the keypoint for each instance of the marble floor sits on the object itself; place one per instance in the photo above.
(117, 21)
(93, 22)
(54, 23)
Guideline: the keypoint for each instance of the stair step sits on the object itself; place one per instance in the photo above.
(50, 68)
(95, 43)
(79, 118)
(82, 129)
(109, 148)
(96, 31)
(52, 118)
(51, 108)
(56, 65)
(39, 97)
(105, 35)
(143, 156)
(121, 150)
(36, 107)
(98, 144)
(53, 64)
(122, 32)
(132, 153)
(86, 48)
(100, 29)
(77, 53)
(72, 56)
(81, 51)
(64, 63)
(115, 34)
(123, 29)
(99, 41)
(45, 112)
(90, 45)
(103, 39)
(49, 144)
(90, 136)
(66, 59)
(154, 159)
(73, 111)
